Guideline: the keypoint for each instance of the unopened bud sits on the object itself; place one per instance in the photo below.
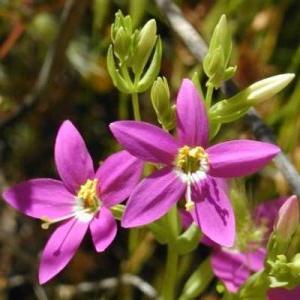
(160, 97)
(146, 41)
(288, 218)
(295, 265)
(267, 87)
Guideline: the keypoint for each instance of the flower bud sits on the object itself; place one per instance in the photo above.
(295, 265)
(267, 87)
(288, 218)
(146, 41)
(160, 97)
(215, 63)
(153, 69)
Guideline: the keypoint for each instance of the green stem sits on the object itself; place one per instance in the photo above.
(208, 97)
(170, 274)
(136, 107)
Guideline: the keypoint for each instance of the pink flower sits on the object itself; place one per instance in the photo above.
(189, 168)
(233, 267)
(82, 199)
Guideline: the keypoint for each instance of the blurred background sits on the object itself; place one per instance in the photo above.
(78, 87)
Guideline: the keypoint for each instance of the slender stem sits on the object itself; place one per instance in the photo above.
(208, 97)
(136, 107)
(170, 274)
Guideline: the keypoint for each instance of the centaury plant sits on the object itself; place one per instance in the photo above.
(173, 179)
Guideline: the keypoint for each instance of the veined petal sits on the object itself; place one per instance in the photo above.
(153, 198)
(145, 141)
(239, 157)
(40, 198)
(213, 212)
(192, 122)
(73, 161)
(229, 267)
(60, 248)
(103, 229)
(284, 294)
(118, 176)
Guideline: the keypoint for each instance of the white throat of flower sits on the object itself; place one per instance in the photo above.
(191, 166)
(86, 205)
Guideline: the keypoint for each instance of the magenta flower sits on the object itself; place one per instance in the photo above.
(233, 267)
(189, 168)
(82, 199)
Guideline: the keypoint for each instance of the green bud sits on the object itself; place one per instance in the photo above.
(215, 63)
(121, 22)
(118, 80)
(188, 241)
(153, 70)
(160, 97)
(267, 88)
(146, 41)
(198, 281)
(235, 107)
(122, 44)
(295, 265)
(288, 219)
(222, 38)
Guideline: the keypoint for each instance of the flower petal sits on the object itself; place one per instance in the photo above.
(118, 176)
(40, 198)
(239, 157)
(103, 229)
(60, 248)
(284, 294)
(213, 212)
(73, 161)
(192, 122)
(153, 198)
(229, 267)
(145, 141)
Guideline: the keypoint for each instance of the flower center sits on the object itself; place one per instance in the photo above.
(191, 160)
(87, 195)
(86, 205)
(191, 166)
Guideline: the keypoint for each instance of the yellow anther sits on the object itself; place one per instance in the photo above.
(190, 159)
(189, 206)
(88, 194)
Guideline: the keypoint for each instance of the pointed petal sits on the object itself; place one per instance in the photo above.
(230, 269)
(192, 122)
(73, 161)
(40, 198)
(213, 212)
(284, 294)
(118, 176)
(60, 248)
(255, 260)
(145, 141)
(153, 198)
(103, 229)
(239, 157)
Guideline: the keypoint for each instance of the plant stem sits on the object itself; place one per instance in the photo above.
(170, 274)
(208, 97)
(136, 107)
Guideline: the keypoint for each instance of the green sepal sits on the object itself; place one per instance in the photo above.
(189, 240)
(117, 78)
(153, 70)
(198, 281)
(117, 211)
